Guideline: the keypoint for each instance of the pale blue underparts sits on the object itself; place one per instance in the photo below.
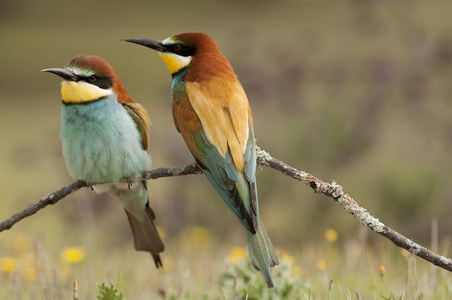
(101, 143)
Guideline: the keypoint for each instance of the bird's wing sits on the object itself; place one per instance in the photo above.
(223, 144)
(141, 118)
(224, 112)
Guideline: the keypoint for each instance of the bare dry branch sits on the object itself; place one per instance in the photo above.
(335, 191)
(332, 190)
(47, 200)
(60, 194)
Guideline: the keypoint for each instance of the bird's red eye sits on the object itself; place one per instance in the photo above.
(92, 78)
(177, 47)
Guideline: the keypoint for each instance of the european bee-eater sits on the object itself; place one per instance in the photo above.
(105, 137)
(212, 113)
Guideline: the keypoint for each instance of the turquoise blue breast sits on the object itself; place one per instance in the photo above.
(101, 142)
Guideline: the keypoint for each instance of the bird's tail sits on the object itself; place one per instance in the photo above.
(146, 236)
(261, 252)
(141, 218)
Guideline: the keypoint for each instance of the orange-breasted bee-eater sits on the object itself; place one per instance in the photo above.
(105, 137)
(212, 113)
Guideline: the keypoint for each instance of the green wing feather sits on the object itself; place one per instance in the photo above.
(235, 188)
(250, 169)
(238, 190)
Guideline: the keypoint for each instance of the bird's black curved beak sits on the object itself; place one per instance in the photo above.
(63, 73)
(153, 44)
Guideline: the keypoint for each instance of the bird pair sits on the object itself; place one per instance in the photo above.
(105, 136)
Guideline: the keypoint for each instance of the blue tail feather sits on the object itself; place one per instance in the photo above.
(261, 252)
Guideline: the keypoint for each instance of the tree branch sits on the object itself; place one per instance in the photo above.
(332, 190)
(63, 192)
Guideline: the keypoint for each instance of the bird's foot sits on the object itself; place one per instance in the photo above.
(90, 186)
(129, 182)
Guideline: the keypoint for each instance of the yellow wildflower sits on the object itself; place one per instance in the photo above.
(196, 238)
(321, 265)
(73, 255)
(382, 270)
(237, 254)
(288, 258)
(8, 264)
(29, 274)
(331, 235)
(28, 265)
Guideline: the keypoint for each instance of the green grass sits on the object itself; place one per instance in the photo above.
(195, 268)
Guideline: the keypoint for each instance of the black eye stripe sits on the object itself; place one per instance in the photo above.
(103, 83)
(181, 49)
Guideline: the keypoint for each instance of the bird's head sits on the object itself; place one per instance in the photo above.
(89, 78)
(196, 52)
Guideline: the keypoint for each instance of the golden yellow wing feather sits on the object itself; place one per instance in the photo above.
(223, 110)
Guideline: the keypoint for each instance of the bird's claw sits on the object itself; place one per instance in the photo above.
(129, 182)
(90, 186)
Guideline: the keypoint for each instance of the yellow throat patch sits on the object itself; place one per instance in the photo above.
(175, 62)
(79, 92)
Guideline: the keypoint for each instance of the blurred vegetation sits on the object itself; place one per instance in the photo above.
(109, 293)
(353, 91)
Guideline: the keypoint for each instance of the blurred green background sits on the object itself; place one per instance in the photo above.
(352, 91)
